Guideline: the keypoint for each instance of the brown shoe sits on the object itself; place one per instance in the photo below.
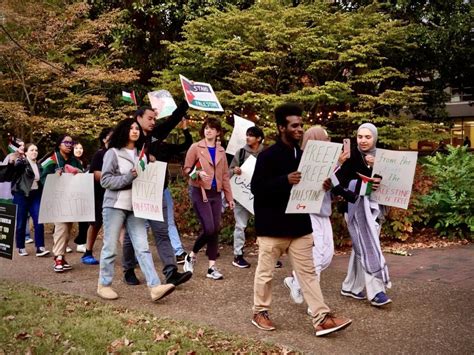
(160, 291)
(262, 321)
(331, 324)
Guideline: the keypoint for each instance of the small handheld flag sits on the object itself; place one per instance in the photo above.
(141, 158)
(194, 174)
(129, 97)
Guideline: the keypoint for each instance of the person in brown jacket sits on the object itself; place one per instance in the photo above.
(206, 164)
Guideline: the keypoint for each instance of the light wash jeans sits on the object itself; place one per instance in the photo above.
(242, 217)
(114, 218)
(172, 230)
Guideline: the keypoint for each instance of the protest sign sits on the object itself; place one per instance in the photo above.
(239, 135)
(7, 229)
(240, 184)
(397, 169)
(200, 96)
(162, 102)
(67, 198)
(147, 191)
(317, 164)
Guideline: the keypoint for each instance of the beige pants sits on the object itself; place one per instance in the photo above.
(62, 233)
(300, 253)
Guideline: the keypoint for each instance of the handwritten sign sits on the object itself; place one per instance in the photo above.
(67, 198)
(239, 135)
(317, 164)
(162, 102)
(200, 96)
(397, 169)
(147, 191)
(7, 229)
(240, 184)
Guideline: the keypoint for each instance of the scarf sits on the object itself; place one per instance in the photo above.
(365, 231)
(374, 132)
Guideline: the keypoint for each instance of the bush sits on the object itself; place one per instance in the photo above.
(451, 200)
(402, 224)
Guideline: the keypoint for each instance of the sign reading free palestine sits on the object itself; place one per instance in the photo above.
(200, 96)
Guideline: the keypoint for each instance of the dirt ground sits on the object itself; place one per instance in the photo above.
(432, 311)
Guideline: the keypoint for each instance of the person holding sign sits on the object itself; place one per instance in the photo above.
(61, 161)
(323, 248)
(26, 190)
(278, 232)
(367, 267)
(118, 172)
(206, 164)
(155, 132)
(253, 147)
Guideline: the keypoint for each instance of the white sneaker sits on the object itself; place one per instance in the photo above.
(189, 262)
(22, 252)
(41, 251)
(295, 293)
(29, 240)
(81, 248)
(213, 273)
(68, 250)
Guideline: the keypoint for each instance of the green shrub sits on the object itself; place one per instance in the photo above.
(451, 200)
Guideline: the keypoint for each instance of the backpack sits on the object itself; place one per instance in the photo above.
(241, 156)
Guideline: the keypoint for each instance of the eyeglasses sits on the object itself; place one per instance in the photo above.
(67, 142)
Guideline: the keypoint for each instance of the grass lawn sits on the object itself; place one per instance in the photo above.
(37, 321)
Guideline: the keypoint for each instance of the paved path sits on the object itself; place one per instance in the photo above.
(432, 313)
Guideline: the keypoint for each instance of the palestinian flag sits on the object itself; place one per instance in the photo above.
(52, 160)
(13, 144)
(197, 168)
(366, 185)
(129, 97)
(141, 158)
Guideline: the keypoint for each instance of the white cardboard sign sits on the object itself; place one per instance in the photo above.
(67, 198)
(240, 184)
(317, 164)
(147, 191)
(239, 134)
(397, 169)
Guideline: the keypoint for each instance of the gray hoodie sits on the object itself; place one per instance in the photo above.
(248, 152)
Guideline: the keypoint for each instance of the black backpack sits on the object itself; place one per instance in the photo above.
(241, 156)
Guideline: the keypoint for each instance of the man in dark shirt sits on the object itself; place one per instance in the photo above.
(276, 171)
(157, 149)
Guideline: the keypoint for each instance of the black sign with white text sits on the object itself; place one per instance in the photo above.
(7, 229)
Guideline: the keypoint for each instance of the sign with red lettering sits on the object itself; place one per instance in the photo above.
(397, 169)
(147, 191)
(317, 164)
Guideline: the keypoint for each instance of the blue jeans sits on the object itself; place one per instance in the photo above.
(162, 242)
(172, 230)
(114, 218)
(27, 204)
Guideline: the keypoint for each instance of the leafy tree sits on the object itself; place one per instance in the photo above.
(57, 71)
(342, 66)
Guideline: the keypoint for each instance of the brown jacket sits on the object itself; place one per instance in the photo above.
(199, 151)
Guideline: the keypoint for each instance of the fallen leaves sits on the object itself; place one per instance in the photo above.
(117, 344)
(161, 336)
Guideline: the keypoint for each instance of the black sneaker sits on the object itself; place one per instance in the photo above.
(178, 278)
(240, 262)
(180, 258)
(130, 278)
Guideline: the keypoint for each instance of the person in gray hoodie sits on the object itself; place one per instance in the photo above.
(118, 172)
(253, 147)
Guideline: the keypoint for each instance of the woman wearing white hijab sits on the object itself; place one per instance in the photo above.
(367, 267)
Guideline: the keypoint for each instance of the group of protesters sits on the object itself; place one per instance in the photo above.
(306, 238)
